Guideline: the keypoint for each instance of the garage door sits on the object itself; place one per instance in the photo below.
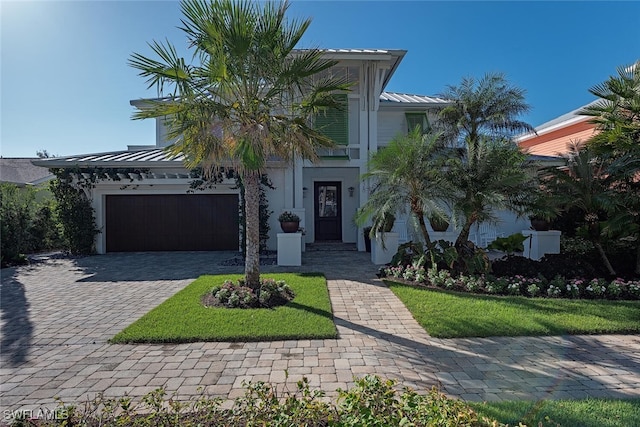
(175, 222)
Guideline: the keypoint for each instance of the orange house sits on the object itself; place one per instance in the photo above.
(553, 137)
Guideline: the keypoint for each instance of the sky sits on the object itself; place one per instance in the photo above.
(66, 86)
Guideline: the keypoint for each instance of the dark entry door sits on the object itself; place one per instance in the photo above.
(328, 211)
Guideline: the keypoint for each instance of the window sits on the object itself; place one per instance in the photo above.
(417, 119)
(334, 122)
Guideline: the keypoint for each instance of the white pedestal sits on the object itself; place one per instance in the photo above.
(380, 255)
(449, 236)
(301, 212)
(290, 249)
(541, 243)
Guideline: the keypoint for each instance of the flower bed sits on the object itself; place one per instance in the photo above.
(558, 287)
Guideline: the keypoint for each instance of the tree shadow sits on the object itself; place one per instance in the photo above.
(150, 266)
(17, 328)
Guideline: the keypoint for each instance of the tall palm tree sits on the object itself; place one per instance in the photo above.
(407, 172)
(247, 97)
(483, 109)
(489, 172)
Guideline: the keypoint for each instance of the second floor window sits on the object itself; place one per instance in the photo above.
(417, 119)
(334, 122)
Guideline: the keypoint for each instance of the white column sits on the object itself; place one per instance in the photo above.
(290, 249)
(297, 190)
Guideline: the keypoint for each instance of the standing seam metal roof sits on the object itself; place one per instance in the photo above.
(405, 98)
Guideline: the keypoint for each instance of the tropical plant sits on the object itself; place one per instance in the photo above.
(407, 172)
(509, 244)
(249, 96)
(489, 172)
(483, 109)
(486, 177)
(583, 184)
(616, 115)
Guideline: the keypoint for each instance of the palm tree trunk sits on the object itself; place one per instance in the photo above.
(427, 238)
(252, 220)
(463, 237)
(423, 229)
(604, 257)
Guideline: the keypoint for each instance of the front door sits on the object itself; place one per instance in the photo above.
(328, 211)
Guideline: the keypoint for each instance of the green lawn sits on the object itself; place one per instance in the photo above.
(446, 314)
(571, 413)
(182, 318)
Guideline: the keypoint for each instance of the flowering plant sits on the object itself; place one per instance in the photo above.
(287, 216)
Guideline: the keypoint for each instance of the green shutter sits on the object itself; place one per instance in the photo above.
(417, 119)
(334, 122)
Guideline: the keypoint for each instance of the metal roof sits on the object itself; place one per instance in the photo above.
(138, 158)
(405, 98)
(557, 123)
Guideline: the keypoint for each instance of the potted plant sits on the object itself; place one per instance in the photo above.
(438, 222)
(367, 238)
(289, 222)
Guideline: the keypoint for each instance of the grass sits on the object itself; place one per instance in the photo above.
(574, 413)
(183, 318)
(445, 314)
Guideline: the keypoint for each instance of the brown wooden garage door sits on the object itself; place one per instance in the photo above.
(175, 222)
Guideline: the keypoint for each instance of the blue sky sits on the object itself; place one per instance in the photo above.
(66, 86)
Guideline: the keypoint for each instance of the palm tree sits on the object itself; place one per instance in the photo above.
(616, 113)
(484, 109)
(487, 176)
(583, 183)
(247, 98)
(407, 172)
(489, 172)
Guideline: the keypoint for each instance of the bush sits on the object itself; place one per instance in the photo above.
(371, 402)
(272, 293)
(519, 285)
(28, 225)
(76, 217)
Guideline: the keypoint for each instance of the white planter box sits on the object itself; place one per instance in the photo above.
(541, 243)
(380, 255)
(290, 249)
(449, 236)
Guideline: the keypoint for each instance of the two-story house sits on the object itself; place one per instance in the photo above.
(151, 208)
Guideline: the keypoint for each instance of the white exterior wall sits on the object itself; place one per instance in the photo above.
(390, 124)
(161, 134)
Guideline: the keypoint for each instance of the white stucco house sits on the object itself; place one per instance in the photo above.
(152, 208)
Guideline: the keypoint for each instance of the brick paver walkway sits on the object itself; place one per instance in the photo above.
(57, 316)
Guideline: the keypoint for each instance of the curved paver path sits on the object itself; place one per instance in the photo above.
(57, 316)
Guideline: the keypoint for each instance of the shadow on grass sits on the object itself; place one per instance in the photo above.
(323, 313)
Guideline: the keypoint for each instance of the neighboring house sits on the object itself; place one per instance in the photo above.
(150, 208)
(553, 137)
(22, 172)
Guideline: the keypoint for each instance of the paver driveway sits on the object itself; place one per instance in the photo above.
(58, 315)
